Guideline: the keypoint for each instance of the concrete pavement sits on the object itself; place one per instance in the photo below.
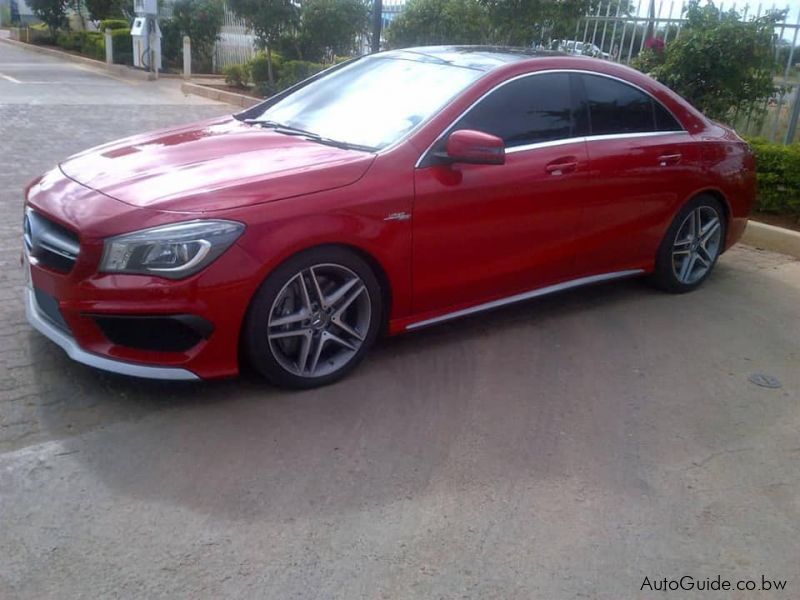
(564, 448)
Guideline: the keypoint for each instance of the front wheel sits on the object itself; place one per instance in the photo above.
(691, 247)
(313, 319)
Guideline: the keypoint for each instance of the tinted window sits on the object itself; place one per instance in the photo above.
(615, 107)
(526, 111)
(664, 120)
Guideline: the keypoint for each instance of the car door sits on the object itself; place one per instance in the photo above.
(641, 161)
(483, 232)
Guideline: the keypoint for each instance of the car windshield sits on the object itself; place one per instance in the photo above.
(371, 103)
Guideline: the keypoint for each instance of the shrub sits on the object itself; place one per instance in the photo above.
(236, 75)
(294, 71)
(259, 67)
(719, 62)
(114, 24)
(69, 40)
(88, 43)
(778, 171)
(93, 44)
(648, 60)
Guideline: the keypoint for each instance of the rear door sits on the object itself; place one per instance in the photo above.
(640, 159)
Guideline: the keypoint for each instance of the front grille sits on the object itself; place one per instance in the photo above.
(50, 244)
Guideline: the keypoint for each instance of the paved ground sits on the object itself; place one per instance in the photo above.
(566, 448)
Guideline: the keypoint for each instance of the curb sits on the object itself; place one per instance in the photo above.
(219, 95)
(775, 239)
(121, 70)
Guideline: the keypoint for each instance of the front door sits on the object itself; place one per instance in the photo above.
(483, 232)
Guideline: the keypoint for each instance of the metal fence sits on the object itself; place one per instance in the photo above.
(236, 43)
(608, 33)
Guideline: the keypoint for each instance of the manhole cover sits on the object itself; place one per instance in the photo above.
(764, 380)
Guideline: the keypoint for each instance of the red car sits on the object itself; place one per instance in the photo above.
(389, 193)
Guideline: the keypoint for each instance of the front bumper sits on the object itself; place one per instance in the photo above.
(139, 325)
(44, 325)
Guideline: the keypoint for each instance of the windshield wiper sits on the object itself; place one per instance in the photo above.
(290, 130)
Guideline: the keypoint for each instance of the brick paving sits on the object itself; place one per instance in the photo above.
(57, 109)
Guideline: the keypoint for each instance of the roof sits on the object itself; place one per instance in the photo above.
(482, 58)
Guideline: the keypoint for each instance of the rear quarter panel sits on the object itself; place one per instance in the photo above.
(731, 169)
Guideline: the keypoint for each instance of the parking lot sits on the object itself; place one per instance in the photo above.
(566, 447)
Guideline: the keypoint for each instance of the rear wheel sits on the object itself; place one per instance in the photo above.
(691, 247)
(313, 320)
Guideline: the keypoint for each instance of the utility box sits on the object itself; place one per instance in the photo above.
(146, 37)
(145, 7)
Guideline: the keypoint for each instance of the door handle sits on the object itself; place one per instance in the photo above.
(668, 159)
(562, 165)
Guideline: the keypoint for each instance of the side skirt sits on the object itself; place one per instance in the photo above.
(551, 289)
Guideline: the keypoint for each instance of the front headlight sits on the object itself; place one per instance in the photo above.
(174, 251)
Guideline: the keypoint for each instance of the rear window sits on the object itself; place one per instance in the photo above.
(616, 107)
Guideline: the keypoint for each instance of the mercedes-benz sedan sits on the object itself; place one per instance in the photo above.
(389, 193)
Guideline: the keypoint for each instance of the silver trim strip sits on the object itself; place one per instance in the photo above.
(590, 138)
(554, 142)
(550, 289)
(548, 144)
(641, 134)
(76, 353)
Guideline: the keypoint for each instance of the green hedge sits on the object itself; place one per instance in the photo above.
(114, 24)
(69, 40)
(236, 75)
(778, 170)
(295, 71)
(93, 44)
(258, 68)
(285, 72)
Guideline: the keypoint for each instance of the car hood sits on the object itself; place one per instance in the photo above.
(213, 165)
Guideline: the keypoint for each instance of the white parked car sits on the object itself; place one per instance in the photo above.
(579, 48)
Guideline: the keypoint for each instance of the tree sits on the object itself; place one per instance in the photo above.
(268, 19)
(720, 63)
(100, 10)
(520, 22)
(331, 25)
(201, 20)
(428, 22)
(51, 12)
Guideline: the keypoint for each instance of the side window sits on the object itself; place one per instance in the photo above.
(616, 107)
(533, 109)
(664, 119)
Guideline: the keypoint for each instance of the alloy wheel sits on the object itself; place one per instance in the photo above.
(697, 245)
(319, 320)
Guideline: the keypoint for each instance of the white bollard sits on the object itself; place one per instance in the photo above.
(187, 57)
(109, 47)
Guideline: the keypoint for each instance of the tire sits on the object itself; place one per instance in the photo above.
(303, 339)
(686, 259)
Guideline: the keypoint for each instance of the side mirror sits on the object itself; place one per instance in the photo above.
(475, 147)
